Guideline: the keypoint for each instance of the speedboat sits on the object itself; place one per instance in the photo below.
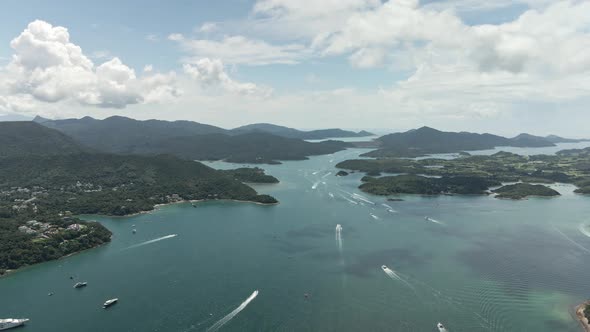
(383, 267)
(9, 323)
(80, 284)
(109, 303)
(441, 328)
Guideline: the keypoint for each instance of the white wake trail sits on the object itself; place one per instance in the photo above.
(339, 236)
(331, 195)
(152, 241)
(315, 185)
(349, 200)
(389, 208)
(584, 230)
(326, 174)
(395, 276)
(374, 216)
(361, 198)
(434, 221)
(233, 314)
(571, 241)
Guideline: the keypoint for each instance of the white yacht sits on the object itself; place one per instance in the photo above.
(109, 303)
(80, 284)
(9, 323)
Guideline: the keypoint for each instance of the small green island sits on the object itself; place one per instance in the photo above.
(524, 190)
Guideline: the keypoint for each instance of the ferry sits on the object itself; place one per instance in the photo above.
(109, 303)
(9, 323)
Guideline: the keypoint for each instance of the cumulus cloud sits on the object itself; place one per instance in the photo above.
(211, 73)
(47, 66)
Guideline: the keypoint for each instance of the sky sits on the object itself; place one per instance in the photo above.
(502, 66)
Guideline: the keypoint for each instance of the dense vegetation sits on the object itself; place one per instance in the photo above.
(246, 148)
(51, 188)
(523, 190)
(425, 140)
(46, 178)
(251, 175)
(415, 184)
(191, 140)
(567, 166)
(28, 138)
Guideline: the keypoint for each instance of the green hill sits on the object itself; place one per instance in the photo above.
(523, 190)
(425, 140)
(246, 148)
(29, 138)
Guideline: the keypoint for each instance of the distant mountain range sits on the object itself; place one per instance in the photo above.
(192, 140)
(159, 128)
(426, 140)
(294, 133)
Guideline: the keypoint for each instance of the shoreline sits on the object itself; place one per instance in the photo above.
(156, 207)
(580, 308)
(20, 269)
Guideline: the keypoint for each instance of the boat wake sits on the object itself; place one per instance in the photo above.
(395, 276)
(571, 240)
(361, 198)
(326, 174)
(584, 230)
(339, 236)
(315, 185)
(374, 216)
(331, 195)
(389, 208)
(233, 314)
(349, 200)
(151, 241)
(433, 220)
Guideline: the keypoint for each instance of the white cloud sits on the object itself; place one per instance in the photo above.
(210, 72)
(242, 50)
(208, 27)
(175, 37)
(48, 67)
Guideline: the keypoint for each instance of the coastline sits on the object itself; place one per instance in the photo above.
(9, 272)
(581, 316)
(192, 201)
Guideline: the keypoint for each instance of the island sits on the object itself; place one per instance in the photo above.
(342, 173)
(567, 166)
(524, 190)
(415, 184)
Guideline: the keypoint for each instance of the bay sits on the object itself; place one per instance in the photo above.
(476, 264)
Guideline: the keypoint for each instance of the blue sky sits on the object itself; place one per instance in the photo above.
(398, 64)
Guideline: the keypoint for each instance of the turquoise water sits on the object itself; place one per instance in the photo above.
(485, 265)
